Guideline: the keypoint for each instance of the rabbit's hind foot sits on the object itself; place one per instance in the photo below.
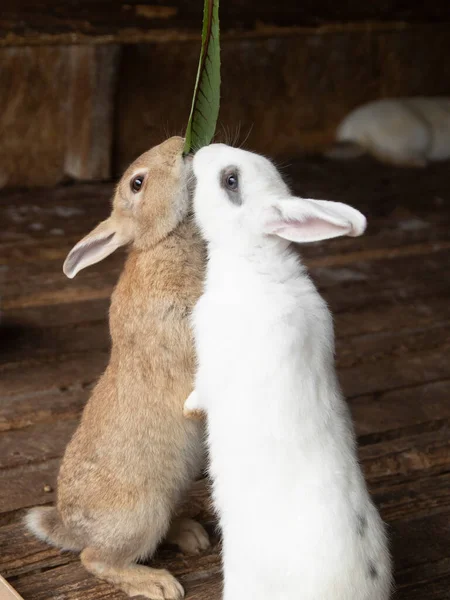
(189, 536)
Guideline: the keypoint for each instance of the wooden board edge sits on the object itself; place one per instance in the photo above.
(7, 592)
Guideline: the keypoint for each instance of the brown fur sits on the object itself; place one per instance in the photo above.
(134, 455)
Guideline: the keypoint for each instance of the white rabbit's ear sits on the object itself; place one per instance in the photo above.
(305, 220)
(94, 247)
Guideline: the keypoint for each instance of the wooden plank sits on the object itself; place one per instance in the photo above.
(39, 342)
(428, 580)
(56, 104)
(27, 486)
(403, 459)
(382, 362)
(72, 581)
(415, 498)
(393, 373)
(68, 581)
(419, 541)
(40, 291)
(92, 87)
(60, 373)
(56, 315)
(35, 444)
(19, 206)
(23, 553)
(7, 591)
(47, 21)
(419, 312)
(32, 117)
(383, 272)
(376, 414)
(24, 410)
(366, 350)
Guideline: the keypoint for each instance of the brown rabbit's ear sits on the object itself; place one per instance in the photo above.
(95, 246)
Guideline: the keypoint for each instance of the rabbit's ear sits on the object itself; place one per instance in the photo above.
(302, 220)
(94, 247)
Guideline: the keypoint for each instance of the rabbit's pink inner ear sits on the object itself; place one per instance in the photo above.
(88, 252)
(342, 213)
(308, 229)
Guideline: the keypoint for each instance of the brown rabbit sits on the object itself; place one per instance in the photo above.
(134, 455)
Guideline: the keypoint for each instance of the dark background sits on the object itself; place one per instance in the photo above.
(87, 85)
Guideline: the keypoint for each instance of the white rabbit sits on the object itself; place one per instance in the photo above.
(402, 131)
(296, 517)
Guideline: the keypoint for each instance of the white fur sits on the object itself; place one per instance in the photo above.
(33, 522)
(297, 520)
(403, 130)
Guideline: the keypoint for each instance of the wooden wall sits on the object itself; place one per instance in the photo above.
(56, 113)
(79, 101)
(290, 91)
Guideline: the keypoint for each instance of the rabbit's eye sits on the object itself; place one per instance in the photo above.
(232, 181)
(229, 181)
(136, 183)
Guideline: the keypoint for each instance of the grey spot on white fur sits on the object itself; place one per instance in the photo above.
(361, 525)
(373, 572)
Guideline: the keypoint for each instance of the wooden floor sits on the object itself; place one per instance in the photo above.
(390, 293)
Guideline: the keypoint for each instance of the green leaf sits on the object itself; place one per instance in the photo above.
(206, 101)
